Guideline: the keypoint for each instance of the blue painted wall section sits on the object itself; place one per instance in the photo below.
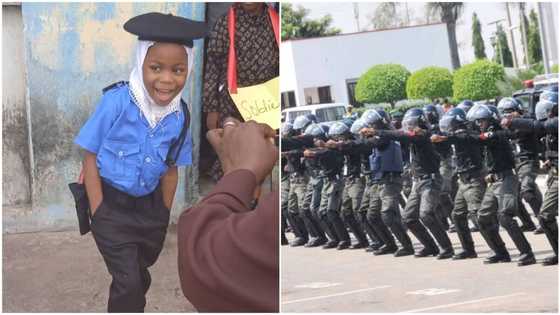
(73, 50)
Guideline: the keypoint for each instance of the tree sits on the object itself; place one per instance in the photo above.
(524, 30)
(534, 39)
(449, 14)
(477, 41)
(502, 53)
(382, 84)
(478, 80)
(386, 16)
(296, 25)
(430, 82)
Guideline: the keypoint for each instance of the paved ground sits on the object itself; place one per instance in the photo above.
(64, 272)
(317, 280)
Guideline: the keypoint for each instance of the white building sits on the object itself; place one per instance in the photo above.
(326, 69)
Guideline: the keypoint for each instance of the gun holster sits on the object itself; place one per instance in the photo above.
(82, 206)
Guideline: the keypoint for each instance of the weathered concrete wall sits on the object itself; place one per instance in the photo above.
(15, 154)
(72, 51)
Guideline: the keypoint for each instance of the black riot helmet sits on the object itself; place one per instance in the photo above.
(509, 105)
(545, 109)
(375, 119)
(484, 116)
(338, 131)
(431, 113)
(287, 129)
(315, 131)
(413, 118)
(386, 117)
(358, 125)
(301, 122)
(453, 120)
(466, 105)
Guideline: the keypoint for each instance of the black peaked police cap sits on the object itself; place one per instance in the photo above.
(166, 28)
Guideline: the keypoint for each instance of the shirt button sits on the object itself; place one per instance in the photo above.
(151, 135)
(121, 153)
(148, 159)
(142, 183)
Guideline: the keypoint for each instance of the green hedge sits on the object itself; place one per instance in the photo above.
(430, 82)
(477, 81)
(382, 84)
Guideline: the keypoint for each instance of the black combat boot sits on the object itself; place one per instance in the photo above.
(525, 217)
(339, 229)
(550, 261)
(400, 234)
(386, 249)
(298, 241)
(550, 228)
(376, 241)
(441, 237)
(510, 225)
(465, 238)
(385, 235)
(420, 232)
(329, 230)
(357, 231)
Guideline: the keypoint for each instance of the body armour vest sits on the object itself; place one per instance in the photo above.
(387, 160)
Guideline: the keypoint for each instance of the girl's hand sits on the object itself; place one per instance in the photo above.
(245, 146)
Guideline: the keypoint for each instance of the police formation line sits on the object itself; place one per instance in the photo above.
(429, 173)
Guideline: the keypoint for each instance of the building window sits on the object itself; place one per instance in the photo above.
(288, 99)
(325, 94)
(317, 95)
(351, 88)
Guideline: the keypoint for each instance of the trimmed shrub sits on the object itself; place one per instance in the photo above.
(477, 81)
(382, 84)
(430, 82)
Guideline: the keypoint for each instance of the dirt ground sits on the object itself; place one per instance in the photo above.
(64, 272)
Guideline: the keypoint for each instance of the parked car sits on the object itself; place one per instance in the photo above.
(325, 113)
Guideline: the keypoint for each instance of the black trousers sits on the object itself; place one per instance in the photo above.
(129, 233)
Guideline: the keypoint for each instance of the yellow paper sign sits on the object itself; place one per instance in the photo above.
(260, 103)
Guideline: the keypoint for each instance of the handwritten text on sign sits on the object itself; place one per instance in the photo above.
(260, 103)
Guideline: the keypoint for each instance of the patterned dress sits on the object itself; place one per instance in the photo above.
(257, 62)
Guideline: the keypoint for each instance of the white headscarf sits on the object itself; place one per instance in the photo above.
(152, 111)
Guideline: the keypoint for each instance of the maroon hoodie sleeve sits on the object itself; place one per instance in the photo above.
(228, 254)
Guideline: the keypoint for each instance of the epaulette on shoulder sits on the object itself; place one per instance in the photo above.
(114, 86)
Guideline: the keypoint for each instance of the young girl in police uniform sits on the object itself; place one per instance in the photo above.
(133, 144)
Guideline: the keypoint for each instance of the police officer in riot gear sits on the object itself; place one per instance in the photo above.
(354, 183)
(546, 124)
(471, 187)
(331, 163)
(386, 167)
(286, 132)
(526, 150)
(312, 195)
(396, 121)
(433, 114)
(297, 183)
(424, 198)
(501, 193)
(365, 149)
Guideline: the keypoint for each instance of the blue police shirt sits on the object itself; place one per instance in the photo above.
(131, 155)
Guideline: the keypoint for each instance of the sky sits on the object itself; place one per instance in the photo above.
(343, 18)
